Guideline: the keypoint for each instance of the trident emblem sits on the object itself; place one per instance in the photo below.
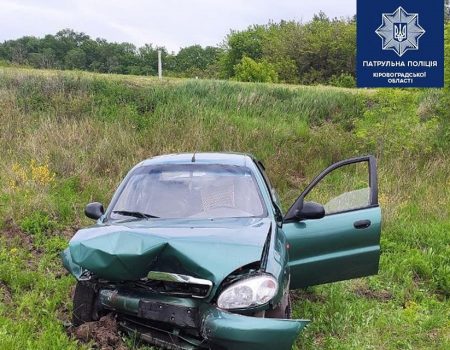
(400, 33)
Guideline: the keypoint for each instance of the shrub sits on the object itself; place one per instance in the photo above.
(252, 71)
(343, 80)
(37, 223)
(393, 126)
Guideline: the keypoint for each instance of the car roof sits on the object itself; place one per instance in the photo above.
(239, 159)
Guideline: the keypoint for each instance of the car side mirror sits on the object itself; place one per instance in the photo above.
(307, 210)
(94, 210)
(311, 210)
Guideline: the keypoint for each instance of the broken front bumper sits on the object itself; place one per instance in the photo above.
(183, 323)
(233, 331)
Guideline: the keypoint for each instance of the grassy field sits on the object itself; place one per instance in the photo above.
(68, 138)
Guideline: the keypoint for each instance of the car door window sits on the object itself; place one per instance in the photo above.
(343, 189)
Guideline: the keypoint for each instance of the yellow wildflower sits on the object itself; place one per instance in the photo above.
(41, 174)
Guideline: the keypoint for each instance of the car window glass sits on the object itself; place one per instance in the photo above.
(345, 188)
(191, 191)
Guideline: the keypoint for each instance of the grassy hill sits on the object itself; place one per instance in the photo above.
(67, 138)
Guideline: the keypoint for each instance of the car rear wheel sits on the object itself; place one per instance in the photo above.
(84, 304)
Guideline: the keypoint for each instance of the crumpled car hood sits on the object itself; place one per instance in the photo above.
(205, 249)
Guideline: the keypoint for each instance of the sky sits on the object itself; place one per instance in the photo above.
(170, 23)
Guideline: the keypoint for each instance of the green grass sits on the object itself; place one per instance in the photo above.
(68, 138)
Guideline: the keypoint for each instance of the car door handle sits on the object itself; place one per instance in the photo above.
(361, 224)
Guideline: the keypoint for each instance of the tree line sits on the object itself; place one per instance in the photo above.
(321, 51)
(68, 49)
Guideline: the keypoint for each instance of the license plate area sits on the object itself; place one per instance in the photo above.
(181, 316)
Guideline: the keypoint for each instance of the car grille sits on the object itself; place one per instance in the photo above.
(176, 284)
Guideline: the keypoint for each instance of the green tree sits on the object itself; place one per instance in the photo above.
(252, 71)
(278, 46)
(238, 44)
(44, 59)
(66, 40)
(18, 53)
(194, 60)
(148, 58)
(75, 59)
(328, 47)
(308, 53)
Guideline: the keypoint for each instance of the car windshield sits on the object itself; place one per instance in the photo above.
(189, 191)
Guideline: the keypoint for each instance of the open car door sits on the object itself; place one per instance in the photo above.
(333, 228)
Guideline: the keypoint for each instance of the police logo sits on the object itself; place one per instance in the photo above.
(400, 31)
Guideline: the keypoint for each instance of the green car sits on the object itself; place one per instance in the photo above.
(194, 251)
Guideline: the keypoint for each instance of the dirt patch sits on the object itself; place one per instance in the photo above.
(16, 237)
(319, 340)
(304, 294)
(13, 233)
(103, 332)
(5, 293)
(70, 231)
(380, 295)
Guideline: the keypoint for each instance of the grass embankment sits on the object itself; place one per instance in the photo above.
(68, 138)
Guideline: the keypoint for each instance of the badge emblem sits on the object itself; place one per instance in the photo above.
(400, 31)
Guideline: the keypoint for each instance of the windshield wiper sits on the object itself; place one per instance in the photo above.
(135, 214)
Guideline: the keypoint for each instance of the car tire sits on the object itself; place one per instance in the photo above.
(84, 304)
(283, 310)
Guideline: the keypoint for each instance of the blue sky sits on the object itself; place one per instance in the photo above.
(171, 23)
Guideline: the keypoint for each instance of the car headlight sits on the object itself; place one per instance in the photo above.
(249, 292)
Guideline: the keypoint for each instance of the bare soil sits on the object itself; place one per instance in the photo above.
(304, 294)
(15, 236)
(5, 293)
(379, 295)
(103, 332)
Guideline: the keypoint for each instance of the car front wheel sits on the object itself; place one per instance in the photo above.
(283, 310)
(84, 304)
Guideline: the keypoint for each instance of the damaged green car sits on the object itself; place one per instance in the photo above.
(194, 251)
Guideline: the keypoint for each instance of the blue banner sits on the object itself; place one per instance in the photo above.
(400, 43)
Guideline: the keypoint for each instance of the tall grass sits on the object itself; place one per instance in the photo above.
(68, 138)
